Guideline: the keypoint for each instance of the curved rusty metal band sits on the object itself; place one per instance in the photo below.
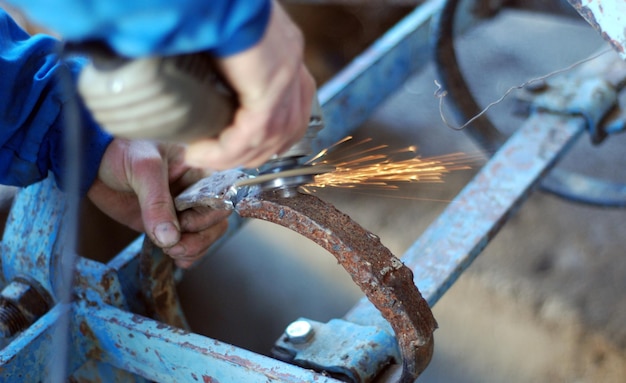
(384, 279)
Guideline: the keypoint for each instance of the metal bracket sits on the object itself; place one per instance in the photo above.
(590, 98)
(590, 91)
(343, 349)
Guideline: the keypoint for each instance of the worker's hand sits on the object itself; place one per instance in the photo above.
(275, 92)
(135, 184)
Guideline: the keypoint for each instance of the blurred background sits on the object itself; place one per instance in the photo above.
(545, 302)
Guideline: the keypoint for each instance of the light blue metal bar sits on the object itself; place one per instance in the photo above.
(464, 229)
(353, 94)
(166, 354)
(473, 218)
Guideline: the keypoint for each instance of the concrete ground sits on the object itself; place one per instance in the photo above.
(544, 303)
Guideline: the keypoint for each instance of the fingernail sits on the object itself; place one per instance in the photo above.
(176, 251)
(166, 234)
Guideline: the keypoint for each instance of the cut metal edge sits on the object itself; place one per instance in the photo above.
(295, 172)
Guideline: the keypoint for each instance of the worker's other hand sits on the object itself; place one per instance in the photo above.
(275, 92)
(135, 184)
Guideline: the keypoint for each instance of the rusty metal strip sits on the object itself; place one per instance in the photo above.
(156, 275)
(384, 279)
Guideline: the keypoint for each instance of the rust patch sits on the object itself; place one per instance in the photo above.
(94, 352)
(85, 330)
(106, 282)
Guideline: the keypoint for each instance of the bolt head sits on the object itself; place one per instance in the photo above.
(299, 332)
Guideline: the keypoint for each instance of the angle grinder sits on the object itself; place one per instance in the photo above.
(182, 98)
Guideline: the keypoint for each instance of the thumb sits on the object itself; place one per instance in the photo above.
(150, 183)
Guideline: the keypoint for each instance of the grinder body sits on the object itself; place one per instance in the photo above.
(175, 98)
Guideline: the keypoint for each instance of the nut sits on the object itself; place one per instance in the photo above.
(21, 304)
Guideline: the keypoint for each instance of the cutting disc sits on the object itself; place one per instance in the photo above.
(298, 172)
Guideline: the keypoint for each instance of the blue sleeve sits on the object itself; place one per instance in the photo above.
(137, 28)
(31, 110)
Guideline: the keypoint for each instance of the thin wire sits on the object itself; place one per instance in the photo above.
(441, 93)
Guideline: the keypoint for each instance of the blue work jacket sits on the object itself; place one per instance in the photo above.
(32, 95)
(154, 27)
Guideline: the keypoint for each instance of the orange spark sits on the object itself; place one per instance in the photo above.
(362, 164)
